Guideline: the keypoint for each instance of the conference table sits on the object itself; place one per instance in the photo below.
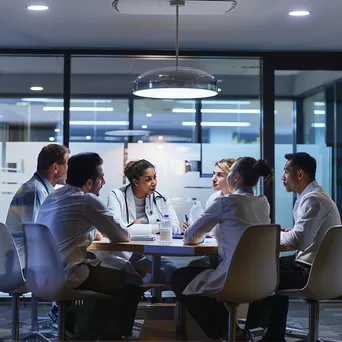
(156, 250)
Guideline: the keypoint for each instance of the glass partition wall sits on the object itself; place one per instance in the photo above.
(183, 138)
(30, 87)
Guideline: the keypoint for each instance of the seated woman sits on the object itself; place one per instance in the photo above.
(140, 202)
(219, 183)
(232, 214)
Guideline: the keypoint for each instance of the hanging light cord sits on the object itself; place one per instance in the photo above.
(177, 35)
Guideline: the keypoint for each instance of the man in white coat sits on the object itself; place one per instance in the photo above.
(314, 213)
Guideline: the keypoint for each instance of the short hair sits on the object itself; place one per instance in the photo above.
(50, 154)
(251, 170)
(303, 161)
(82, 167)
(135, 169)
(225, 164)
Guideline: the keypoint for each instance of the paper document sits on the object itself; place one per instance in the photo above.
(143, 229)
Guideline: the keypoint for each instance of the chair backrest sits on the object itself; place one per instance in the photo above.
(325, 278)
(254, 269)
(11, 275)
(44, 269)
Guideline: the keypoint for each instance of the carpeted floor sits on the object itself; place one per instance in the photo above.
(161, 327)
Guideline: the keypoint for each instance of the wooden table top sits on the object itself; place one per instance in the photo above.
(176, 248)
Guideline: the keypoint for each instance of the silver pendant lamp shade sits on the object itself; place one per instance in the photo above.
(175, 82)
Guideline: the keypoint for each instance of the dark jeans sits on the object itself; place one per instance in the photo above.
(211, 315)
(109, 319)
(143, 264)
(271, 312)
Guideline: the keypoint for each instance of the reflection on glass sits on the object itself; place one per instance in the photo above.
(97, 120)
(25, 119)
(231, 121)
(164, 121)
(314, 119)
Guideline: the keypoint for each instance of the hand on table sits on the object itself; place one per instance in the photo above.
(136, 221)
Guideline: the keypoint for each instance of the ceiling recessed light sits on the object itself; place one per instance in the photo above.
(88, 137)
(140, 141)
(36, 88)
(37, 7)
(144, 126)
(148, 115)
(51, 138)
(57, 130)
(299, 13)
(219, 89)
(160, 137)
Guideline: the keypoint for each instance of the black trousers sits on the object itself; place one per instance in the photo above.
(109, 319)
(210, 315)
(271, 312)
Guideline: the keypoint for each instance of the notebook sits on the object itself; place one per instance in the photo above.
(143, 232)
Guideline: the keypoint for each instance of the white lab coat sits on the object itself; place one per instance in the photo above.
(119, 200)
(155, 210)
(232, 214)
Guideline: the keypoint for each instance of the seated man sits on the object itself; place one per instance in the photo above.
(314, 213)
(71, 213)
(51, 170)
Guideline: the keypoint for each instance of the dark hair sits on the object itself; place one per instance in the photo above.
(251, 170)
(50, 154)
(135, 169)
(303, 161)
(83, 166)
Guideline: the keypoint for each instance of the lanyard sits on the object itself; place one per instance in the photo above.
(42, 181)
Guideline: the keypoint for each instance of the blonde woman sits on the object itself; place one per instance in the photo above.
(219, 182)
(219, 179)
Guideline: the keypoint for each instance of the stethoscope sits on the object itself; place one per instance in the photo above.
(42, 181)
(150, 198)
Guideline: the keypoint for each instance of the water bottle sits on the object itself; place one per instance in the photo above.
(166, 230)
(195, 211)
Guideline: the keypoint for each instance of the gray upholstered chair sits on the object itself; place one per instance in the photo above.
(45, 272)
(325, 278)
(254, 270)
(12, 280)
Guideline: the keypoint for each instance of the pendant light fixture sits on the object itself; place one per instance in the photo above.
(175, 82)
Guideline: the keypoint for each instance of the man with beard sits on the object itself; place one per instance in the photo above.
(71, 214)
(52, 168)
(314, 213)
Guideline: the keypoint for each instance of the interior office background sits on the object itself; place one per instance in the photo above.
(268, 105)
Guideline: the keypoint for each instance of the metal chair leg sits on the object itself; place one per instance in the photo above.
(313, 320)
(61, 321)
(34, 313)
(232, 313)
(180, 315)
(15, 317)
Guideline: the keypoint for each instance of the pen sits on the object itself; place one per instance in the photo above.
(186, 218)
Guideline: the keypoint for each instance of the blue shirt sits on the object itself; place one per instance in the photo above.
(24, 208)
